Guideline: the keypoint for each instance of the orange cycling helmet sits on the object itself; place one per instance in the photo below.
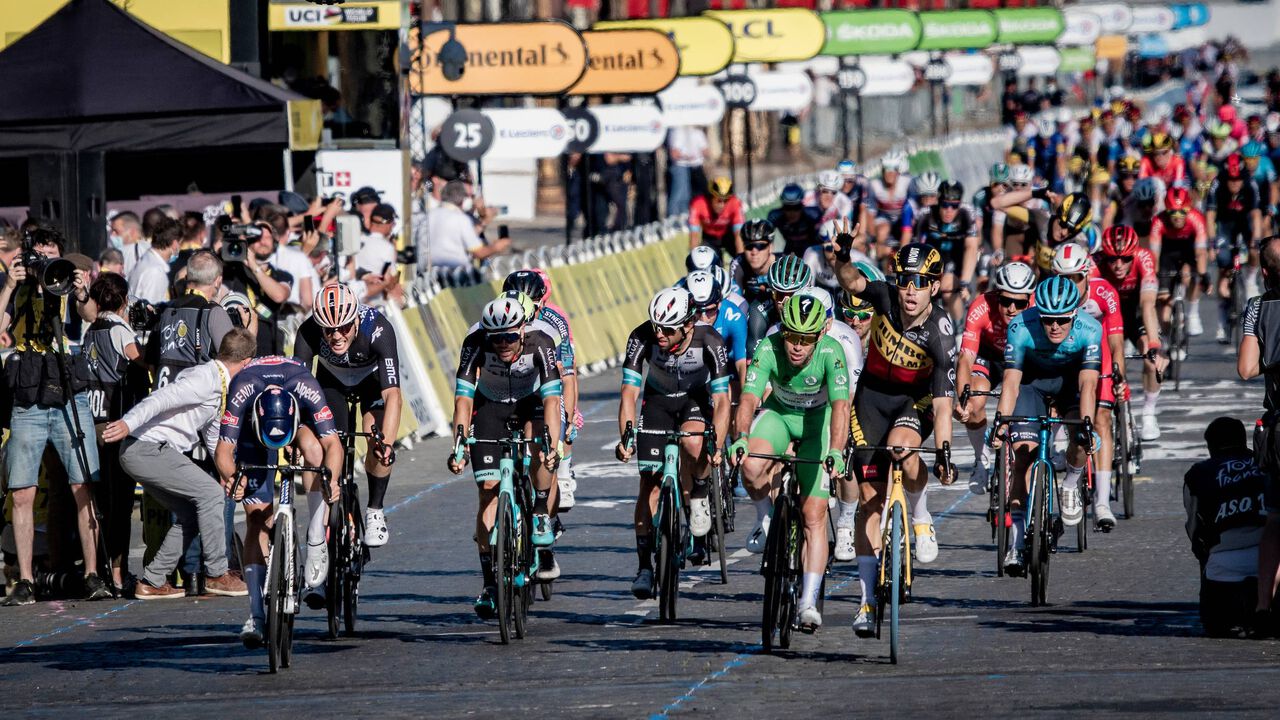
(1177, 200)
(335, 305)
(1119, 241)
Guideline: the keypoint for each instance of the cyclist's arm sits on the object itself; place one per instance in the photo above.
(550, 389)
(1011, 199)
(975, 322)
(972, 248)
(1156, 239)
(306, 342)
(1255, 222)
(739, 219)
(632, 378)
(1009, 386)
(1249, 359)
(943, 383)
(224, 459)
(997, 233)
(464, 393)
(716, 357)
(1150, 318)
(1201, 247)
(762, 368)
(1109, 215)
(1014, 352)
(838, 383)
(849, 276)
(1088, 393)
(1211, 222)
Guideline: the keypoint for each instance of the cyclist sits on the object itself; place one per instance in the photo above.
(1050, 150)
(997, 183)
(1162, 163)
(688, 382)
(819, 258)
(1019, 226)
(1263, 172)
(854, 187)
(508, 376)
(796, 223)
(1126, 178)
(887, 204)
(787, 276)
(1179, 239)
(710, 308)
(1221, 145)
(1052, 359)
(1140, 208)
(715, 217)
(1189, 133)
(275, 396)
(923, 195)
(808, 382)
(949, 227)
(750, 271)
(356, 356)
(827, 199)
(1101, 302)
(858, 313)
(1063, 221)
(910, 386)
(1131, 270)
(1233, 212)
(980, 364)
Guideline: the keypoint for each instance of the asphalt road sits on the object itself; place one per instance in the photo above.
(1120, 633)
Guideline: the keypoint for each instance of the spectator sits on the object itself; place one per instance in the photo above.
(1225, 521)
(375, 264)
(149, 279)
(154, 218)
(611, 172)
(363, 201)
(154, 435)
(687, 150)
(111, 261)
(452, 241)
(266, 286)
(126, 234)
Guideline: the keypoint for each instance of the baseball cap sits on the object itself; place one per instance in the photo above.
(364, 195)
(384, 212)
(296, 204)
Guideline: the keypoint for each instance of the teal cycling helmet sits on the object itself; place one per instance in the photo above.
(1057, 296)
(789, 274)
(1253, 149)
(999, 173)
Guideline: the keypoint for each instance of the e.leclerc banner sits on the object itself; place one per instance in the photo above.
(957, 30)
(542, 57)
(1077, 59)
(628, 62)
(775, 35)
(705, 44)
(1028, 26)
(870, 32)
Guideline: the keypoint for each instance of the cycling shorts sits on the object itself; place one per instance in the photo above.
(260, 485)
(665, 413)
(876, 413)
(811, 431)
(1172, 259)
(367, 393)
(1225, 245)
(491, 421)
(1135, 330)
(989, 368)
(1036, 397)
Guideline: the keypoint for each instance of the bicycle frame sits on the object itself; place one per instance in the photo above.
(521, 502)
(1043, 458)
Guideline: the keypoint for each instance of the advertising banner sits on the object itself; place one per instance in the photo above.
(350, 16)
(1192, 15)
(870, 32)
(627, 62)
(526, 132)
(782, 91)
(1028, 26)
(628, 128)
(1077, 59)
(544, 57)
(688, 103)
(773, 35)
(1116, 17)
(968, 69)
(885, 77)
(705, 44)
(1151, 19)
(341, 172)
(1112, 47)
(957, 30)
(1038, 61)
(1083, 27)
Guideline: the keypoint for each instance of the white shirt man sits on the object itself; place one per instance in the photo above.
(375, 254)
(149, 279)
(295, 262)
(451, 236)
(687, 145)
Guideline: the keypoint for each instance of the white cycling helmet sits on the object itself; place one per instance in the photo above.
(1046, 126)
(831, 180)
(701, 258)
(1021, 174)
(1015, 277)
(928, 183)
(671, 307)
(823, 296)
(503, 313)
(1065, 116)
(1115, 92)
(847, 168)
(895, 160)
(703, 288)
(1071, 259)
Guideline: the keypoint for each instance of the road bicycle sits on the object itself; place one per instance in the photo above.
(1179, 339)
(1127, 457)
(998, 482)
(515, 560)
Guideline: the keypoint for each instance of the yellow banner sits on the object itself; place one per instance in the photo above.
(628, 62)
(1112, 47)
(705, 45)
(305, 124)
(543, 57)
(778, 35)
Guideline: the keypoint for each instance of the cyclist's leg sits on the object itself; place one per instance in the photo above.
(812, 432)
(373, 412)
(1102, 423)
(914, 423)
(258, 505)
(953, 301)
(869, 424)
(976, 426)
(768, 435)
(489, 422)
(1026, 442)
(657, 412)
(694, 465)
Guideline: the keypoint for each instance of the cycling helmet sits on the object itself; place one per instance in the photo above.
(803, 314)
(951, 191)
(528, 282)
(1015, 277)
(1162, 110)
(1119, 241)
(527, 304)
(1056, 296)
(822, 295)
(1064, 116)
(703, 288)
(853, 303)
(917, 259)
(1253, 149)
(1227, 113)
(1233, 168)
(1128, 166)
(1070, 259)
(275, 417)
(1021, 174)
(830, 180)
(335, 306)
(999, 173)
(722, 277)
(1145, 190)
(1089, 238)
(701, 258)
(1181, 112)
(671, 307)
(895, 161)
(720, 187)
(792, 195)
(1160, 141)
(1219, 129)
(1046, 126)
(1075, 212)
(503, 313)
(847, 168)
(789, 274)
(1177, 200)
(546, 280)
(927, 183)
(757, 231)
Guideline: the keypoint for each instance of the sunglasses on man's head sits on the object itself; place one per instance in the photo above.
(1019, 303)
(1055, 320)
(913, 280)
(796, 338)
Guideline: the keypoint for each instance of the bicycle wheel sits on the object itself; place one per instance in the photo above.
(792, 542)
(1238, 301)
(333, 583)
(522, 596)
(1124, 456)
(354, 556)
(503, 564)
(726, 495)
(774, 569)
(275, 600)
(1039, 534)
(1000, 522)
(288, 598)
(895, 580)
(668, 554)
(1177, 342)
(716, 500)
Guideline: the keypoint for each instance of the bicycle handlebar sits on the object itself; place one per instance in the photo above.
(1004, 420)
(1148, 355)
(969, 392)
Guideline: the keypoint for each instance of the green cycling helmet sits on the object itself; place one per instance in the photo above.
(804, 314)
(1219, 129)
(789, 274)
(999, 173)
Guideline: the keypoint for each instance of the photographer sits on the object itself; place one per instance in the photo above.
(50, 404)
(190, 329)
(245, 251)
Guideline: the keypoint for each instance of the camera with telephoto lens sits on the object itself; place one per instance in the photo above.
(143, 316)
(235, 241)
(55, 275)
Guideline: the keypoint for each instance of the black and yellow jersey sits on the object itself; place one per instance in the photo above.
(917, 361)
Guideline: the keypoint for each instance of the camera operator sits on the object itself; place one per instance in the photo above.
(50, 402)
(245, 251)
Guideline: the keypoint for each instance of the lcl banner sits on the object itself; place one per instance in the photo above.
(773, 35)
(628, 62)
(544, 57)
(705, 44)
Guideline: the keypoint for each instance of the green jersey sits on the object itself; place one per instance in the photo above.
(821, 380)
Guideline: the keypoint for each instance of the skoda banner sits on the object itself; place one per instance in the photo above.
(773, 35)
(1077, 59)
(1083, 27)
(1028, 26)
(627, 62)
(688, 103)
(544, 57)
(705, 45)
(782, 91)
(957, 30)
(870, 32)
(628, 128)
(527, 132)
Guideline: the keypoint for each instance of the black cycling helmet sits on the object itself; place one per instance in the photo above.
(275, 417)
(917, 259)
(951, 191)
(757, 231)
(1075, 212)
(528, 282)
(792, 195)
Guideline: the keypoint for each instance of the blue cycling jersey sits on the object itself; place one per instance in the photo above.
(1028, 347)
(731, 323)
(1265, 172)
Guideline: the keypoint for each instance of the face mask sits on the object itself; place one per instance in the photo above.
(117, 242)
(468, 204)
(173, 258)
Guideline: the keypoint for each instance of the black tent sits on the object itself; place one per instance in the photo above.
(92, 79)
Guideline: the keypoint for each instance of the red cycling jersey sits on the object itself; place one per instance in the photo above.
(1141, 278)
(1174, 172)
(718, 226)
(1103, 304)
(985, 328)
(1192, 235)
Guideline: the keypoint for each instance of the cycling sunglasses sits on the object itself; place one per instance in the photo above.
(1121, 258)
(504, 338)
(340, 330)
(709, 309)
(667, 331)
(1057, 319)
(758, 246)
(862, 315)
(825, 191)
(1006, 301)
(913, 280)
(1177, 213)
(780, 297)
(796, 338)
(950, 205)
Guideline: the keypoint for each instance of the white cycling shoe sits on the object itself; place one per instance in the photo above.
(758, 537)
(1072, 509)
(845, 550)
(699, 516)
(1195, 328)
(317, 564)
(926, 543)
(809, 619)
(1106, 518)
(1150, 428)
(251, 633)
(568, 485)
(375, 528)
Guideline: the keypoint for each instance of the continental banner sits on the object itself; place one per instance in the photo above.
(705, 44)
(543, 57)
(628, 62)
